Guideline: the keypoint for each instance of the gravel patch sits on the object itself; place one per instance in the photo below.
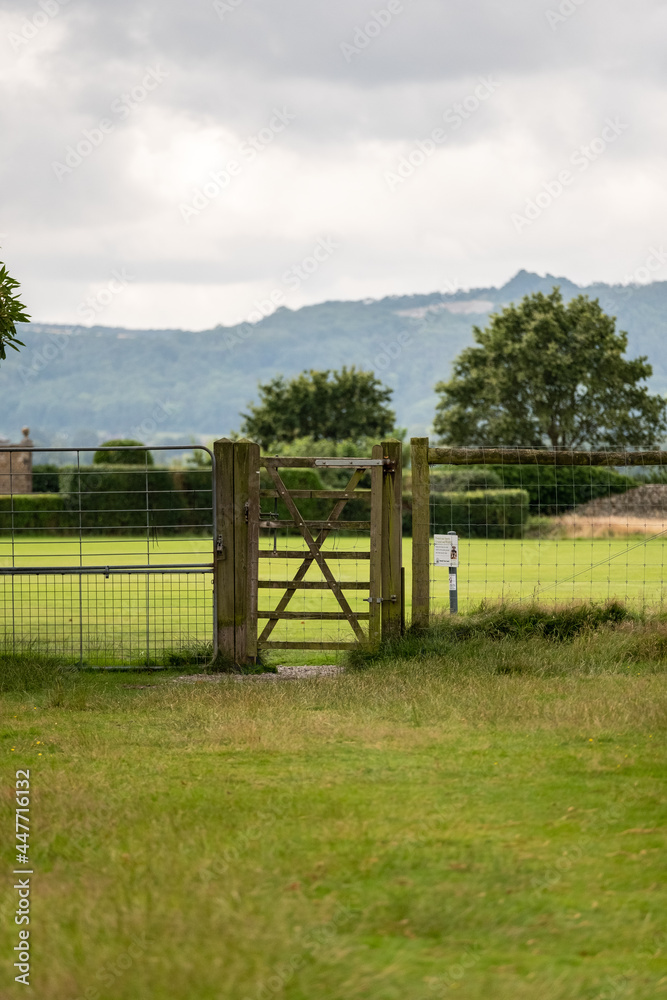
(284, 674)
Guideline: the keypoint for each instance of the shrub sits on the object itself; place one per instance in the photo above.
(31, 512)
(476, 514)
(122, 457)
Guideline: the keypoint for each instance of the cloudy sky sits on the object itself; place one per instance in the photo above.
(183, 164)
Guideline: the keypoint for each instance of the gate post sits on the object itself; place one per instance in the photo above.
(236, 543)
(392, 539)
(421, 530)
(223, 551)
(246, 544)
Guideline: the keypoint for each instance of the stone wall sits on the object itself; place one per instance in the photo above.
(16, 466)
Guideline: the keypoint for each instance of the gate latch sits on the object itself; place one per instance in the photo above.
(381, 600)
(218, 544)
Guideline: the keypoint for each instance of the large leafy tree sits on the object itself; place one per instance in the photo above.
(322, 405)
(544, 373)
(12, 311)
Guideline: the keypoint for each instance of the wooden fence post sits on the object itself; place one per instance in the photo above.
(223, 550)
(392, 539)
(246, 542)
(421, 532)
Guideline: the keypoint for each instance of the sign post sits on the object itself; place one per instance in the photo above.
(447, 554)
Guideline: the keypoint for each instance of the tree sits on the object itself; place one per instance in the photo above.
(12, 311)
(322, 405)
(548, 374)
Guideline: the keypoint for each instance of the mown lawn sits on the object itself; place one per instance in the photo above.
(135, 619)
(490, 822)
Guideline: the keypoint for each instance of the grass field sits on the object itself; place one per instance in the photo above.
(488, 822)
(135, 619)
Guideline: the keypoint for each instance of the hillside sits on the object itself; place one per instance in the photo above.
(81, 384)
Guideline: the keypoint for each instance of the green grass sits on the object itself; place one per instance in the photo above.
(490, 820)
(127, 620)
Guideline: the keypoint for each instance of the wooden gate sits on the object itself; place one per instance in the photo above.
(245, 625)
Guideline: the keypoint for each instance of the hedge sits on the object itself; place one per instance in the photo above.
(556, 489)
(196, 492)
(113, 501)
(476, 514)
(112, 498)
(31, 512)
(45, 478)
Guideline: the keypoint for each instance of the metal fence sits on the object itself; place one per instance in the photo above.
(110, 564)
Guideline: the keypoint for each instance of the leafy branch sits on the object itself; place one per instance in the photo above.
(12, 311)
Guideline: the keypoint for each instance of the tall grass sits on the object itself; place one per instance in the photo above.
(28, 671)
(608, 636)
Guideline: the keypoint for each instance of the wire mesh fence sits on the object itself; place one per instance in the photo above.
(551, 532)
(113, 566)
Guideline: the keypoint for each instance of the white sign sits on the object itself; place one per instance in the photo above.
(446, 550)
(452, 581)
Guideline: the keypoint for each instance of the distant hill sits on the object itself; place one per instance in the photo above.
(79, 385)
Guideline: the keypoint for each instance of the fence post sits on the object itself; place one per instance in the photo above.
(392, 539)
(246, 541)
(421, 531)
(223, 550)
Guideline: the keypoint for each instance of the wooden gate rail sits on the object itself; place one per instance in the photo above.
(291, 554)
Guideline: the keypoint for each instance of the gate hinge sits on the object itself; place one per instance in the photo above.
(246, 510)
(218, 544)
